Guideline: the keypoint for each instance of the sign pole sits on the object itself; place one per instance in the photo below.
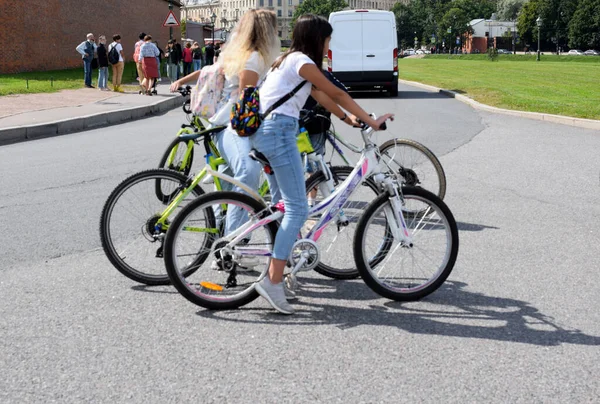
(170, 28)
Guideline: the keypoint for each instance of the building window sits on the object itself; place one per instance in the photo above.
(279, 33)
(290, 13)
(278, 13)
(270, 3)
(289, 2)
(261, 3)
(278, 3)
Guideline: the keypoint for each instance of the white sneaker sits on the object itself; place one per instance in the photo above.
(275, 295)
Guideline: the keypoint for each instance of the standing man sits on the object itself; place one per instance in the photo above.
(87, 49)
(179, 57)
(210, 54)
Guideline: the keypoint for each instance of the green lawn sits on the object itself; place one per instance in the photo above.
(47, 82)
(557, 85)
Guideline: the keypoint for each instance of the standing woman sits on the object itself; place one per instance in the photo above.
(148, 54)
(172, 60)
(102, 64)
(187, 59)
(276, 137)
(117, 68)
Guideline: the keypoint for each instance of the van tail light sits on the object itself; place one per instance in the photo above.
(395, 59)
(329, 62)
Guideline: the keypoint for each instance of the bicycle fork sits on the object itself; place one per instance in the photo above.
(393, 211)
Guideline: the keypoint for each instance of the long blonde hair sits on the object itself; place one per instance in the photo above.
(256, 31)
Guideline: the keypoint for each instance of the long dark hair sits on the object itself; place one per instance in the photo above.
(310, 33)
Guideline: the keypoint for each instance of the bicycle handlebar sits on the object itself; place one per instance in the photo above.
(185, 91)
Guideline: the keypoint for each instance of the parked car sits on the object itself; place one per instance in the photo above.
(364, 49)
(575, 52)
(592, 52)
(504, 52)
(408, 52)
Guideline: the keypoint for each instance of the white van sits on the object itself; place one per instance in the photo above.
(363, 52)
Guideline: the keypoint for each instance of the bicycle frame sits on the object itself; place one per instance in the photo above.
(329, 208)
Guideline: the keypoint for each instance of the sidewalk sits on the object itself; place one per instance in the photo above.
(32, 116)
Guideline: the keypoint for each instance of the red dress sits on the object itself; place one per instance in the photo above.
(187, 55)
(150, 67)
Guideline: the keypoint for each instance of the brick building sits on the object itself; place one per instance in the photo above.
(44, 36)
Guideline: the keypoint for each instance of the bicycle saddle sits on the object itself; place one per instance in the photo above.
(262, 159)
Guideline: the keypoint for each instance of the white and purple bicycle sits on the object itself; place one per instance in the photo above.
(405, 244)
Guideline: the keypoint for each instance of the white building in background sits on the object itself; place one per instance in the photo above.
(228, 12)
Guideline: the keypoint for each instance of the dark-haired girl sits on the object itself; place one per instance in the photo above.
(276, 138)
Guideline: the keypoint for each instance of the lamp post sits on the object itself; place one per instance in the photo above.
(213, 19)
(539, 25)
(416, 40)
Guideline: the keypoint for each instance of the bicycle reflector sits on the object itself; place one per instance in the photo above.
(211, 286)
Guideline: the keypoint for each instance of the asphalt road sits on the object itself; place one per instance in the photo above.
(516, 322)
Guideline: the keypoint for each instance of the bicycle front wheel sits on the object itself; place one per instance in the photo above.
(414, 165)
(220, 275)
(129, 231)
(177, 157)
(406, 272)
(335, 261)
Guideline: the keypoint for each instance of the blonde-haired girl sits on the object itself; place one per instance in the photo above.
(246, 58)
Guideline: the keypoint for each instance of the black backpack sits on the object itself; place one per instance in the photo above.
(113, 55)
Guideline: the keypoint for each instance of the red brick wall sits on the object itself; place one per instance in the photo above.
(43, 35)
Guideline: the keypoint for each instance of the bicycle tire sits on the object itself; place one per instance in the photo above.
(178, 281)
(177, 166)
(340, 173)
(409, 178)
(449, 257)
(108, 245)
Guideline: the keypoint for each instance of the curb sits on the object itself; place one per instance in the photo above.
(18, 134)
(560, 119)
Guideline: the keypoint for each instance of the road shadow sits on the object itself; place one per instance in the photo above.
(451, 311)
(402, 95)
(462, 226)
(155, 289)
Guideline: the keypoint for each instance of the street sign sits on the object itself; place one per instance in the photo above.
(450, 30)
(171, 20)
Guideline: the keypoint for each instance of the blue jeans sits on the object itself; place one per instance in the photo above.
(102, 77)
(234, 150)
(197, 64)
(172, 70)
(276, 139)
(87, 72)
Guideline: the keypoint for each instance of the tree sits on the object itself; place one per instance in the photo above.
(526, 23)
(584, 27)
(508, 10)
(183, 28)
(319, 7)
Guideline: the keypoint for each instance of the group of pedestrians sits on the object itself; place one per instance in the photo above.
(147, 56)
(112, 55)
(252, 51)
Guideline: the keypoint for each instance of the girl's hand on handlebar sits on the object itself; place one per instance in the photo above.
(354, 121)
(175, 86)
(376, 124)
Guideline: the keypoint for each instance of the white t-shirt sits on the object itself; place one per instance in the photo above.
(283, 80)
(119, 49)
(256, 64)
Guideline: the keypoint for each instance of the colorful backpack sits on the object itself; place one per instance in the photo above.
(208, 96)
(245, 114)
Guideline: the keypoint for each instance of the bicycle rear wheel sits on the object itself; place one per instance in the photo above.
(406, 272)
(414, 165)
(213, 276)
(334, 241)
(130, 237)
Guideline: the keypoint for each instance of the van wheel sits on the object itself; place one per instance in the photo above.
(394, 91)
